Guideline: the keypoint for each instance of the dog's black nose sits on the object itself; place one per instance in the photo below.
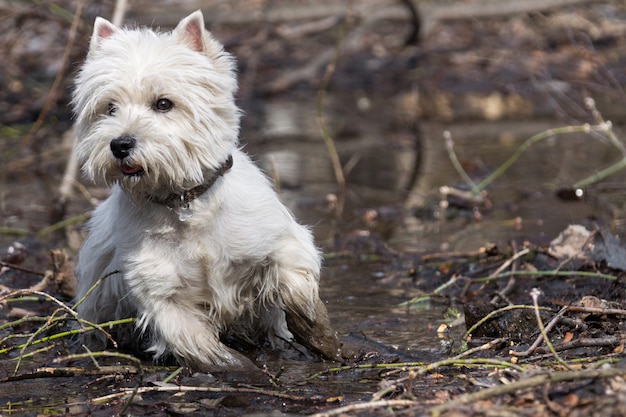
(122, 146)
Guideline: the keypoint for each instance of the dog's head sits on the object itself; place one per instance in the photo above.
(155, 111)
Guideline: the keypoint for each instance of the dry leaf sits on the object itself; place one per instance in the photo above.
(568, 337)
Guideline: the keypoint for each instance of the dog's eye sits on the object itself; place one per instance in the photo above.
(111, 109)
(163, 105)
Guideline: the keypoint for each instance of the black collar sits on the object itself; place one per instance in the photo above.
(181, 200)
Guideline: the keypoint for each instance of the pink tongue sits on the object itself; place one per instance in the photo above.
(128, 170)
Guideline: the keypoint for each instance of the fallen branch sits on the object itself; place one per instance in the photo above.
(607, 341)
(222, 390)
(93, 355)
(372, 405)
(421, 368)
(548, 274)
(522, 384)
(63, 372)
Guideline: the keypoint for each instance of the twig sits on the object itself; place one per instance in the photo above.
(421, 368)
(90, 327)
(238, 390)
(456, 360)
(19, 322)
(71, 168)
(591, 106)
(612, 169)
(273, 379)
(173, 375)
(586, 128)
(609, 341)
(436, 291)
(363, 367)
(548, 274)
(50, 320)
(503, 293)
(475, 362)
(597, 310)
(63, 224)
(119, 12)
(51, 98)
(444, 256)
(485, 346)
(328, 140)
(540, 338)
(534, 294)
(309, 28)
(63, 372)
(93, 355)
(93, 287)
(468, 197)
(373, 405)
(11, 231)
(388, 389)
(504, 266)
(447, 136)
(21, 269)
(40, 294)
(589, 342)
(531, 382)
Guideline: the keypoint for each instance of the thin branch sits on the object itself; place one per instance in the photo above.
(548, 274)
(238, 390)
(540, 338)
(328, 140)
(51, 98)
(534, 139)
(522, 384)
(373, 405)
(447, 136)
(534, 293)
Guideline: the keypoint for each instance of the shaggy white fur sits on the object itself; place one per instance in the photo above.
(201, 249)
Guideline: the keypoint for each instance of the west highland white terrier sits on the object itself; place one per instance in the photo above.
(201, 243)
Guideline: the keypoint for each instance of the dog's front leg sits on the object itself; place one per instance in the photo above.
(187, 334)
(306, 315)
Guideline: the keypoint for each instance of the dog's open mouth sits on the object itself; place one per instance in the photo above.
(131, 170)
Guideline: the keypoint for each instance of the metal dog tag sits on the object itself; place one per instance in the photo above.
(184, 210)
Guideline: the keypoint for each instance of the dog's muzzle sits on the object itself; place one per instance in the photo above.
(121, 148)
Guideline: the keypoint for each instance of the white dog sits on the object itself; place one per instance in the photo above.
(201, 241)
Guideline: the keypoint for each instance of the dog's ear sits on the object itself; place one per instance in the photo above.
(102, 29)
(190, 31)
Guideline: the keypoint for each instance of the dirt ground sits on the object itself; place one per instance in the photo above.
(530, 329)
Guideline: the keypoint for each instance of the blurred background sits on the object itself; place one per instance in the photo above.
(492, 73)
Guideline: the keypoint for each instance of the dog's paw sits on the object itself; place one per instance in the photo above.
(314, 332)
(221, 359)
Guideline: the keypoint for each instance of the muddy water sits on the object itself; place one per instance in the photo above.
(398, 175)
(393, 171)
